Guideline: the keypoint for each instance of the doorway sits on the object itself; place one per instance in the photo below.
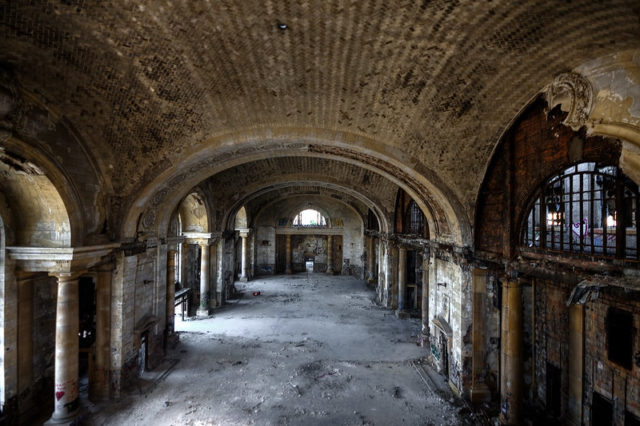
(554, 386)
(601, 410)
(281, 254)
(87, 331)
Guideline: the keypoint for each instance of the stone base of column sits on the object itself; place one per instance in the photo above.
(330, 271)
(202, 313)
(243, 279)
(479, 393)
(423, 340)
(402, 314)
(288, 272)
(70, 419)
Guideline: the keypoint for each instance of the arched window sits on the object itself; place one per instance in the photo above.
(310, 218)
(588, 208)
(414, 222)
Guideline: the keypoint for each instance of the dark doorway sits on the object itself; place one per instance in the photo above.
(444, 350)
(601, 411)
(411, 266)
(337, 253)
(554, 387)
(281, 254)
(142, 353)
(87, 330)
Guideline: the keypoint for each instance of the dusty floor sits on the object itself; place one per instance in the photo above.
(310, 350)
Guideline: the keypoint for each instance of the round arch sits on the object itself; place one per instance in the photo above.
(193, 213)
(382, 219)
(435, 199)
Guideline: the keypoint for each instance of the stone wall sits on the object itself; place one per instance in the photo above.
(276, 219)
(609, 379)
(450, 303)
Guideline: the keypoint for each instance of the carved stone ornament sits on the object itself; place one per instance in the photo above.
(575, 95)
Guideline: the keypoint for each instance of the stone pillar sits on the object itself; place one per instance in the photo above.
(330, 254)
(203, 309)
(171, 291)
(576, 359)
(381, 272)
(371, 260)
(511, 353)
(288, 256)
(66, 402)
(243, 271)
(387, 293)
(393, 274)
(402, 281)
(479, 390)
(100, 385)
(425, 299)
(25, 332)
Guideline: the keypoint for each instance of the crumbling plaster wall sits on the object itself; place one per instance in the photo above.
(450, 299)
(615, 111)
(34, 208)
(138, 292)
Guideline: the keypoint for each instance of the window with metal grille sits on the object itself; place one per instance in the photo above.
(414, 220)
(588, 208)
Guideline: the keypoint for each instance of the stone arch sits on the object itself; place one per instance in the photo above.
(382, 218)
(34, 208)
(449, 220)
(241, 219)
(193, 213)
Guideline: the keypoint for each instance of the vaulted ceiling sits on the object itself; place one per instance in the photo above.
(162, 95)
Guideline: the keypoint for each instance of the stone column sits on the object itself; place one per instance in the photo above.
(288, 256)
(402, 281)
(393, 274)
(425, 299)
(479, 390)
(389, 285)
(511, 353)
(371, 260)
(203, 309)
(66, 402)
(381, 272)
(99, 386)
(171, 290)
(330, 254)
(243, 271)
(576, 357)
(25, 331)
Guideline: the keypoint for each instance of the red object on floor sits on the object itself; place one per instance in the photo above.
(256, 293)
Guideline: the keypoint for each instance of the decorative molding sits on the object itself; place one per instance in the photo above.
(59, 260)
(575, 95)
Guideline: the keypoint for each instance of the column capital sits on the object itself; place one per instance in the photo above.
(67, 275)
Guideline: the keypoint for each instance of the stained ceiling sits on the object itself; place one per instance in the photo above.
(421, 90)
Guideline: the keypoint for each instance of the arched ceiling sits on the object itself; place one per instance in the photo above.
(429, 86)
(262, 181)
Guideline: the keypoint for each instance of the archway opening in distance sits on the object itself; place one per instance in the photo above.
(310, 218)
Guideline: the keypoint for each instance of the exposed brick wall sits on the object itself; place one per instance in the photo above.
(550, 342)
(535, 148)
(603, 376)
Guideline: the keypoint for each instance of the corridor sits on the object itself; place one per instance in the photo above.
(310, 349)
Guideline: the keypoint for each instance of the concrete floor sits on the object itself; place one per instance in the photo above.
(310, 350)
